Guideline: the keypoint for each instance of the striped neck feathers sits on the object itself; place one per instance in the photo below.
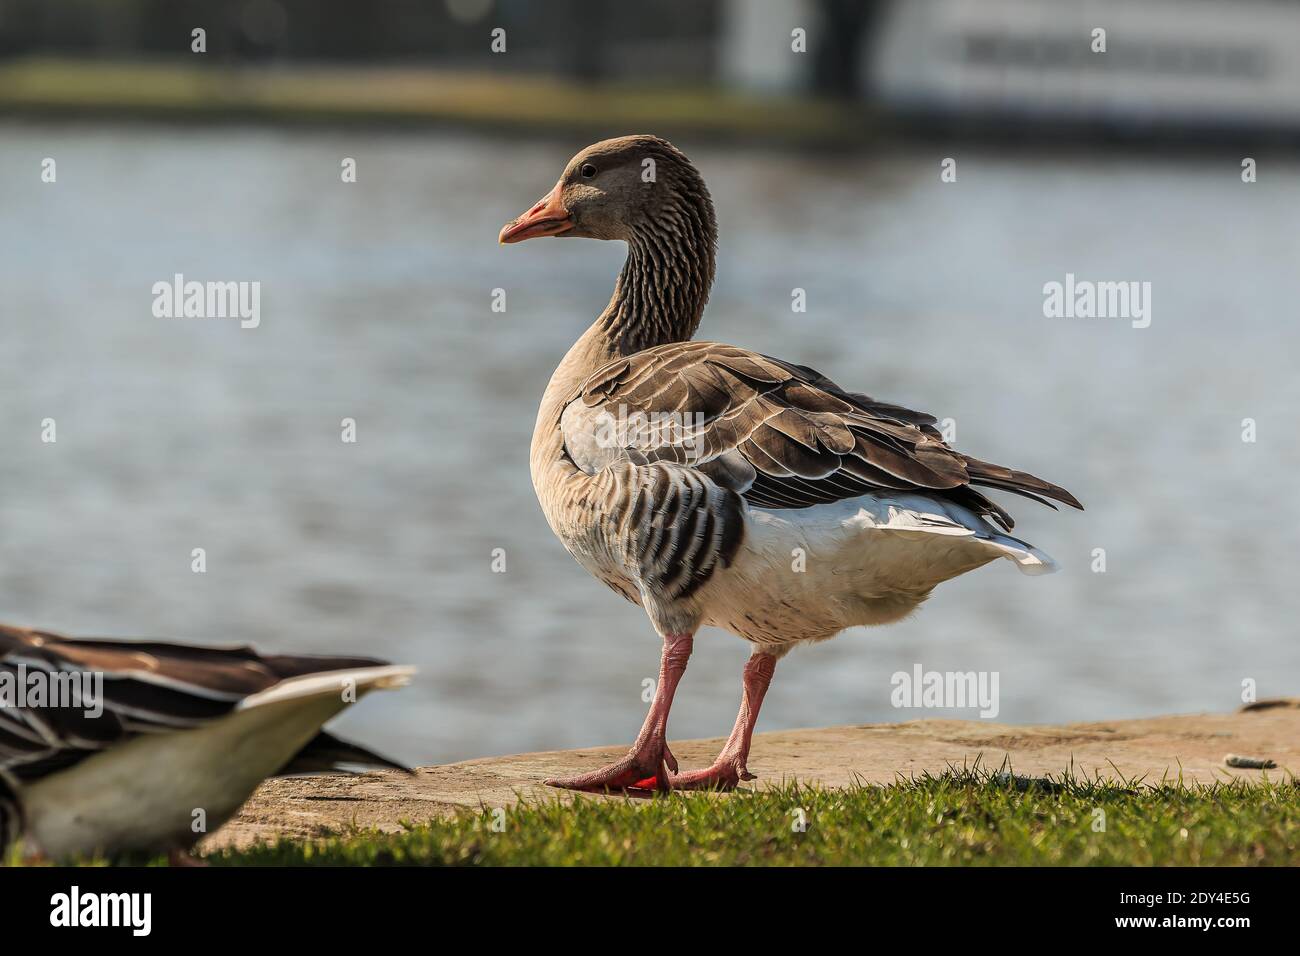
(661, 292)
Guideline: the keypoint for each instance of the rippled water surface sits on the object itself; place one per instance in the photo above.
(376, 298)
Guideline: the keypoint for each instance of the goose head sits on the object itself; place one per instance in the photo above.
(630, 188)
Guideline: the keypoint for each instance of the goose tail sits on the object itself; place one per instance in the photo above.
(1027, 558)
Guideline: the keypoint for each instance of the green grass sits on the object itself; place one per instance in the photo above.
(181, 88)
(966, 817)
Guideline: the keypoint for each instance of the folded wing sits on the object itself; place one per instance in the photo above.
(780, 435)
(147, 687)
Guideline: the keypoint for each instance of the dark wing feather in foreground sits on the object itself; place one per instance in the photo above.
(148, 687)
(785, 436)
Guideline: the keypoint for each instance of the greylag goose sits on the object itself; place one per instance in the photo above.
(713, 485)
(113, 747)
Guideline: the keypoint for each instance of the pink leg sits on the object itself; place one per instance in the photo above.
(729, 769)
(644, 766)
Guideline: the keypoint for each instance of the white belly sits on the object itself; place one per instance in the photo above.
(806, 574)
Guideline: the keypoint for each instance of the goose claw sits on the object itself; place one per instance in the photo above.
(633, 774)
(720, 776)
(669, 760)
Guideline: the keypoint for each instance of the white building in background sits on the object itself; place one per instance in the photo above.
(1178, 62)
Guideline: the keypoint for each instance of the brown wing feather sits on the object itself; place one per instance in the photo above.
(148, 687)
(785, 436)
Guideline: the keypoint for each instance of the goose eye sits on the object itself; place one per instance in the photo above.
(588, 171)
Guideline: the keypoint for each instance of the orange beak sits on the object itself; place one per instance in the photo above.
(547, 218)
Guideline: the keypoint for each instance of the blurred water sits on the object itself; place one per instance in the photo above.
(376, 296)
